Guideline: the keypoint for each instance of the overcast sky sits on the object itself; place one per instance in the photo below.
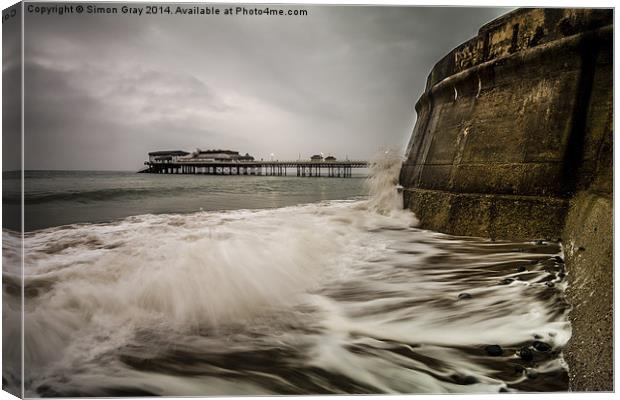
(103, 90)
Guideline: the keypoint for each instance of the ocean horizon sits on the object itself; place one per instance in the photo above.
(60, 197)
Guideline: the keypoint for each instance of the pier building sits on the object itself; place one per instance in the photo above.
(229, 162)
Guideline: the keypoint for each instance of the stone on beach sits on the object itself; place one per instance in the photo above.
(526, 354)
(494, 350)
(541, 346)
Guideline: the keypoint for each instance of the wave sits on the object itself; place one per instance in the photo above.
(382, 183)
(87, 196)
(330, 297)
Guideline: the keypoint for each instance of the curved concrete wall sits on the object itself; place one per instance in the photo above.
(514, 139)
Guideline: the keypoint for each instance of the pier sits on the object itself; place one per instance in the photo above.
(302, 168)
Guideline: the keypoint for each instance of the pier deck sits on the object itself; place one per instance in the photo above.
(304, 168)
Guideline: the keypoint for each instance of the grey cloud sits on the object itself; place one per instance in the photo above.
(11, 99)
(86, 128)
(343, 80)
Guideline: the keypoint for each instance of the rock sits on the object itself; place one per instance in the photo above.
(526, 354)
(549, 284)
(464, 296)
(519, 369)
(558, 259)
(539, 242)
(521, 268)
(506, 281)
(541, 346)
(537, 336)
(470, 380)
(494, 350)
(532, 374)
(464, 379)
(503, 390)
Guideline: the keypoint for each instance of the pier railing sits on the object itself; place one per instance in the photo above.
(303, 168)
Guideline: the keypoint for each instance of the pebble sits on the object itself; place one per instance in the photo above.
(470, 380)
(464, 296)
(506, 281)
(494, 350)
(526, 354)
(464, 379)
(549, 284)
(532, 374)
(541, 346)
(539, 242)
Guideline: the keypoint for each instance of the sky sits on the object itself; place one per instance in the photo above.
(101, 91)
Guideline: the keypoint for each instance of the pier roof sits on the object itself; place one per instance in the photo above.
(168, 153)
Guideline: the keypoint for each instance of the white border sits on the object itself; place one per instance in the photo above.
(471, 3)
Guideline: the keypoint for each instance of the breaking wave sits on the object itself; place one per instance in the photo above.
(329, 297)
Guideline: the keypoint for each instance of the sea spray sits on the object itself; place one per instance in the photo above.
(382, 182)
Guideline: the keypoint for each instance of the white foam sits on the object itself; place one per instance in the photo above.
(98, 284)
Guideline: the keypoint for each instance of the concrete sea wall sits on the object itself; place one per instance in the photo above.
(514, 139)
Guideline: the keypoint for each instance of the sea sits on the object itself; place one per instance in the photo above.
(200, 285)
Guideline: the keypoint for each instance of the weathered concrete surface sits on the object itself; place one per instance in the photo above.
(588, 253)
(514, 139)
(517, 217)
